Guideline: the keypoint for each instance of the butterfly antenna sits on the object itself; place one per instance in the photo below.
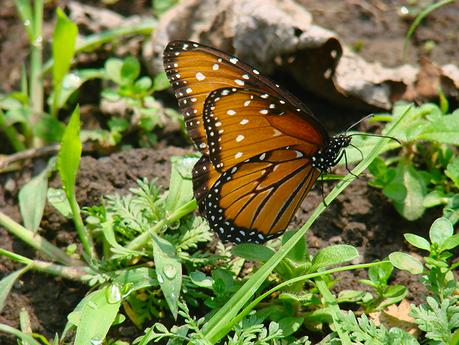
(359, 121)
(376, 135)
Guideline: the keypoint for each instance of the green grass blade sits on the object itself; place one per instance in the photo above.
(68, 162)
(418, 20)
(26, 338)
(7, 283)
(219, 325)
(64, 41)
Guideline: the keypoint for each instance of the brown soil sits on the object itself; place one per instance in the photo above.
(361, 216)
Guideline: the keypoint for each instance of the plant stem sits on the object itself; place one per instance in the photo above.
(75, 273)
(295, 280)
(335, 311)
(36, 82)
(143, 238)
(83, 233)
(36, 241)
(11, 134)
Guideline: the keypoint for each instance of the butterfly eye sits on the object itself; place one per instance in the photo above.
(262, 150)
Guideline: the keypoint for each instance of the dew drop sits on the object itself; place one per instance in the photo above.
(170, 271)
(160, 279)
(96, 341)
(114, 294)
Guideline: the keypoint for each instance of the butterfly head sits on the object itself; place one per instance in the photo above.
(330, 154)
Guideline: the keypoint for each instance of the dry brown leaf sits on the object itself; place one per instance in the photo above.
(397, 316)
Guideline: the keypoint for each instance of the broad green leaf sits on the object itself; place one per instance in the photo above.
(290, 325)
(32, 198)
(253, 252)
(25, 10)
(298, 253)
(168, 271)
(181, 185)
(143, 84)
(7, 283)
(333, 255)
(49, 128)
(130, 70)
(113, 70)
(200, 279)
(135, 279)
(64, 40)
(417, 241)
(69, 156)
(97, 315)
(56, 197)
(440, 230)
(435, 198)
(406, 262)
(161, 82)
(450, 243)
(452, 171)
(407, 190)
(444, 130)
(380, 273)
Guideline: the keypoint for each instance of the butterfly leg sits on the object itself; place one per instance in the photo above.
(322, 189)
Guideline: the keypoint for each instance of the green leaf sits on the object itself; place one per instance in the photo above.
(135, 279)
(290, 325)
(49, 128)
(381, 273)
(72, 82)
(143, 84)
(299, 251)
(130, 70)
(200, 279)
(444, 130)
(417, 241)
(452, 171)
(113, 70)
(253, 252)
(333, 255)
(441, 230)
(32, 198)
(435, 198)
(161, 82)
(407, 191)
(69, 156)
(168, 271)
(64, 40)
(96, 316)
(56, 197)
(7, 283)
(450, 243)
(406, 262)
(181, 185)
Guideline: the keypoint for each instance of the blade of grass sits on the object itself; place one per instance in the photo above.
(36, 61)
(91, 42)
(11, 133)
(217, 326)
(35, 241)
(68, 162)
(425, 12)
(64, 39)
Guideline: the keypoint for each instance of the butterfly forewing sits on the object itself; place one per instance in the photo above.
(243, 123)
(195, 70)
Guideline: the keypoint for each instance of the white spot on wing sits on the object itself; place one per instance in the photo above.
(264, 111)
(239, 82)
(238, 155)
(200, 76)
(239, 138)
(233, 60)
(231, 112)
(216, 66)
(244, 121)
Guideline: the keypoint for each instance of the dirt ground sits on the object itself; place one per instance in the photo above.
(361, 216)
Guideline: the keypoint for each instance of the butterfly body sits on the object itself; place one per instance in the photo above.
(262, 149)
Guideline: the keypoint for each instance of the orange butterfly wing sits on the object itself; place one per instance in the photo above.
(195, 70)
(257, 142)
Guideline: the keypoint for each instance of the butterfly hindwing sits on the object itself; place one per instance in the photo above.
(255, 200)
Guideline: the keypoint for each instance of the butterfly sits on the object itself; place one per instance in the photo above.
(262, 149)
